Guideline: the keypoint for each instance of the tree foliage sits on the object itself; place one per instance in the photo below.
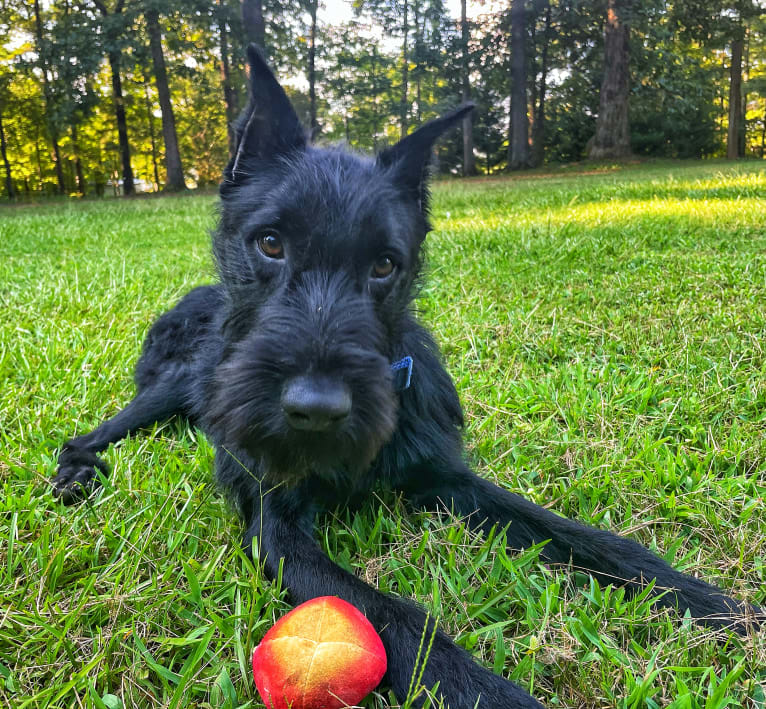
(82, 96)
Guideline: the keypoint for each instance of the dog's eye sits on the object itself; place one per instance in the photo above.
(383, 267)
(271, 245)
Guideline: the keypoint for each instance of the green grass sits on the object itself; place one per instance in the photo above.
(606, 334)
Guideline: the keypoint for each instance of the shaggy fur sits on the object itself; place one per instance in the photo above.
(286, 365)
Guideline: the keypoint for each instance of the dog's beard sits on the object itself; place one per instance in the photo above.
(246, 414)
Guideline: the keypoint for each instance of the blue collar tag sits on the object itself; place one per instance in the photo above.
(402, 371)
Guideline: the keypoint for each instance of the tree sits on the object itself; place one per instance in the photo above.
(612, 139)
(113, 26)
(229, 94)
(9, 188)
(735, 135)
(175, 174)
(539, 91)
(394, 16)
(311, 6)
(360, 81)
(695, 68)
(73, 62)
(403, 101)
(518, 145)
(469, 160)
(436, 58)
(673, 110)
(50, 109)
(253, 23)
(722, 23)
(152, 137)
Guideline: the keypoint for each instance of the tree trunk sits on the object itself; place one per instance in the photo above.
(405, 69)
(128, 188)
(518, 148)
(57, 161)
(373, 79)
(81, 187)
(175, 175)
(538, 126)
(38, 160)
(150, 122)
(612, 139)
(47, 94)
(469, 160)
(252, 19)
(3, 150)
(229, 96)
(532, 74)
(312, 70)
(743, 115)
(416, 60)
(733, 143)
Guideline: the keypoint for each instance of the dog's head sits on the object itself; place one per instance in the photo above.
(318, 250)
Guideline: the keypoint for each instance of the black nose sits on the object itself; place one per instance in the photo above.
(315, 403)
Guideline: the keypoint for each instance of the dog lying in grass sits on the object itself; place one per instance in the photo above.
(306, 367)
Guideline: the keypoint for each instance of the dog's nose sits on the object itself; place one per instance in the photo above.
(315, 403)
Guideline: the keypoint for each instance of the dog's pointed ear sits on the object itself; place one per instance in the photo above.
(410, 157)
(269, 126)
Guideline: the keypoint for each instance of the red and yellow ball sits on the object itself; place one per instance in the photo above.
(324, 654)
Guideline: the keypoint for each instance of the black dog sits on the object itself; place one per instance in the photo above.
(308, 370)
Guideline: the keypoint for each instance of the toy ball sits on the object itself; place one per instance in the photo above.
(324, 654)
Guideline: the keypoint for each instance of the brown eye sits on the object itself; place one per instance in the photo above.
(383, 267)
(271, 245)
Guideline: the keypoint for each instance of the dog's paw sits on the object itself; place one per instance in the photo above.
(77, 474)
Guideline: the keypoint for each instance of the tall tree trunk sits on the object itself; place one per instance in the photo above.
(538, 126)
(374, 110)
(128, 188)
(405, 70)
(229, 96)
(57, 161)
(518, 148)
(743, 115)
(612, 139)
(532, 73)
(252, 19)
(469, 160)
(150, 122)
(112, 30)
(38, 160)
(763, 131)
(735, 98)
(48, 95)
(312, 69)
(81, 187)
(175, 175)
(416, 60)
(4, 151)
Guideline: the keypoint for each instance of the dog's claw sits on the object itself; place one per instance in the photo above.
(77, 475)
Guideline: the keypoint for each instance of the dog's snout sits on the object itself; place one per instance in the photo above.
(315, 403)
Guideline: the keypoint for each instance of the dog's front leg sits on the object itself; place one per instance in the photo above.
(608, 557)
(281, 530)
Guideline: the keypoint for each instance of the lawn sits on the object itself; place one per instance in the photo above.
(606, 333)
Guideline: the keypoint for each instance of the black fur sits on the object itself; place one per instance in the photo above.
(227, 356)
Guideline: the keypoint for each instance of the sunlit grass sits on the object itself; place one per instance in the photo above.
(606, 335)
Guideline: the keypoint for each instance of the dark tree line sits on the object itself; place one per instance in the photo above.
(126, 95)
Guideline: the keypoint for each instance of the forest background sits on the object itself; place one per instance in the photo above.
(122, 96)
